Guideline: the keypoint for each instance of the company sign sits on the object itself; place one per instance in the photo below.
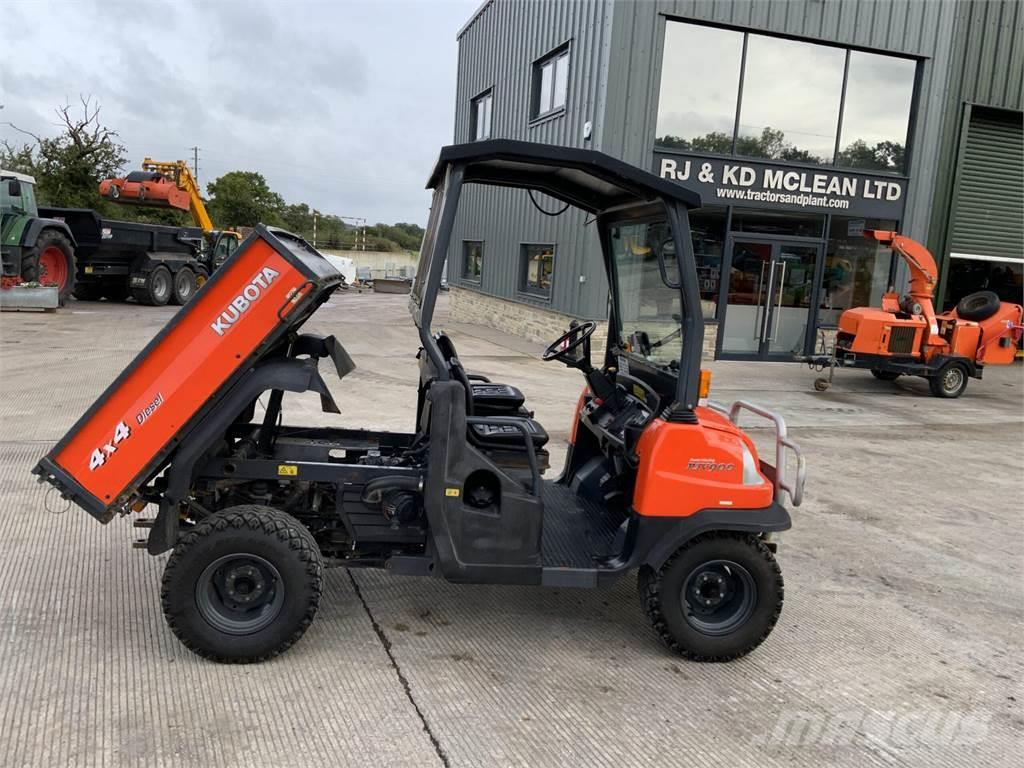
(785, 187)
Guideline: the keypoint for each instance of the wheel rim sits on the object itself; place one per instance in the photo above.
(718, 597)
(53, 267)
(240, 594)
(952, 379)
(161, 285)
(184, 285)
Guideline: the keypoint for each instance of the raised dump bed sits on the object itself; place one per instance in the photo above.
(269, 286)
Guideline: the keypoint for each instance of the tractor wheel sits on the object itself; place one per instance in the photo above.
(978, 306)
(243, 585)
(157, 288)
(88, 291)
(881, 375)
(184, 286)
(51, 262)
(114, 192)
(950, 381)
(716, 599)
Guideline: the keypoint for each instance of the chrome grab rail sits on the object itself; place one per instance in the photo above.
(782, 442)
(778, 304)
(758, 305)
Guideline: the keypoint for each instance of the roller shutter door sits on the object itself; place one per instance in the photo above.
(988, 210)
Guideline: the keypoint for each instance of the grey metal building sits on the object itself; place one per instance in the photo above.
(800, 122)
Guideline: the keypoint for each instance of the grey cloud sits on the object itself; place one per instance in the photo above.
(340, 105)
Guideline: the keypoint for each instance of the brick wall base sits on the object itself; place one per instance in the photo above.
(530, 322)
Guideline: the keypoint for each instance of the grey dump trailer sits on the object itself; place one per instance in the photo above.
(153, 263)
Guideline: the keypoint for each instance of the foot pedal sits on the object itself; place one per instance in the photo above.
(139, 544)
(144, 522)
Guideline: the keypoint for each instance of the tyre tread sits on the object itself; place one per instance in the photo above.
(649, 583)
(254, 518)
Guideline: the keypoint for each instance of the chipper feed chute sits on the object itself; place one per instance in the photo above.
(269, 286)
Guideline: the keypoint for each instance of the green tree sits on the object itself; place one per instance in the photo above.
(243, 199)
(68, 167)
(883, 156)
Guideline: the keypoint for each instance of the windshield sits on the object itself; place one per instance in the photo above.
(427, 246)
(648, 311)
(24, 203)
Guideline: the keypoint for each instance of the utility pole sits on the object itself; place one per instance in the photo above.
(315, 214)
(195, 164)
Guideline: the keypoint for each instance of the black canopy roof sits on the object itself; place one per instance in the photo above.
(589, 180)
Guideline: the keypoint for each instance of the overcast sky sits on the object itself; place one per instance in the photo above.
(342, 105)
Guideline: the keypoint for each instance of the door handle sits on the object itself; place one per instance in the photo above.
(767, 302)
(778, 304)
(759, 304)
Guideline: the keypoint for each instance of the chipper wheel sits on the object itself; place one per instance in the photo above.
(949, 381)
(243, 585)
(716, 599)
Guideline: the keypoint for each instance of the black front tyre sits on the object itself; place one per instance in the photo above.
(950, 381)
(243, 585)
(184, 286)
(716, 599)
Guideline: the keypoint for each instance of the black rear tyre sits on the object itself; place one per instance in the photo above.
(51, 261)
(184, 286)
(978, 306)
(716, 599)
(156, 289)
(881, 375)
(950, 381)
(243, 585)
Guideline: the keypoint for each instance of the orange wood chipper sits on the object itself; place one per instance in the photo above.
(905, 337)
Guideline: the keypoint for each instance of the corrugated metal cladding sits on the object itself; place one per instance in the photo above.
(988, 212)
(497, 50)
(987, 69)
(614, 82)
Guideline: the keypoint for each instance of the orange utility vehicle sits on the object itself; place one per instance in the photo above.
(656, 480)
(905, 337)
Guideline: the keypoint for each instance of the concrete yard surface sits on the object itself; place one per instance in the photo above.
(899, 643)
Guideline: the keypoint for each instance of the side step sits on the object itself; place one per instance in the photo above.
(585, 578)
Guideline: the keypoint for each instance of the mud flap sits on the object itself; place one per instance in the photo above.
(286, 374)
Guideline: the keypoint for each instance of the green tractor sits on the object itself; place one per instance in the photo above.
(33, 249)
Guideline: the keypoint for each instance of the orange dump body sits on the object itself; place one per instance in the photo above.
(685, 468)
(270, 284)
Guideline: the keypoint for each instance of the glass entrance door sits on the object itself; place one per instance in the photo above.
(768, 300)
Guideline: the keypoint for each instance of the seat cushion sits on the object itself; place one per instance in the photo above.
(509, 437)
(497, 396)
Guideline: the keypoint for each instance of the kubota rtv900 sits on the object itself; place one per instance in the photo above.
(655, 482)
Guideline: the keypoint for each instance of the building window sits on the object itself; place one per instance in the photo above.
(707, 230)
(550, 82)
(738, 93)
(857, 270)
(472, 259)
(700, 83)
(480, 116)
(875, 138)
(790, 104)
(537, 266)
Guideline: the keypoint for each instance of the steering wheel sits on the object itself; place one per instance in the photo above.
(556, 351)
